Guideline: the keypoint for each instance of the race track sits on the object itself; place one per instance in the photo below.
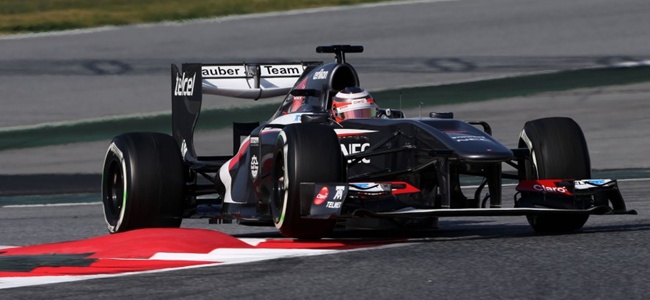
(496, 257)
(118, 71)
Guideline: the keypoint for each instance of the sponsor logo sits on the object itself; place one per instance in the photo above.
(339, 192)
(355, 148)
(184, 85)
(550, 189)
(223, 71)
(322, 196)
(468, 138)
(281, 71)
(591, 182)
(321, 74)
(113, 148)
(365, 185)
(588, 184)
(450, 132)
(255, 140)
(255, 166)
(333, 204)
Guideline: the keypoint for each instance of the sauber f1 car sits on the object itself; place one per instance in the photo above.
(306, 172)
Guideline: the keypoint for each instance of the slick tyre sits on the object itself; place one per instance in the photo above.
(142, 182)
(558, 150)
(303, 153)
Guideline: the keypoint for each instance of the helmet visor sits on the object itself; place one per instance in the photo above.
(363, 113)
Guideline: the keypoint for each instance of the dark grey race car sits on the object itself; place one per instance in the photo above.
(306, 173)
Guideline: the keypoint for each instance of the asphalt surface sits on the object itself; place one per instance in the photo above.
(125, 70)
(487, 257)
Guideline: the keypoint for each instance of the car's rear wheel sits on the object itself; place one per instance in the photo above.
(303, 153)
(142, 182)
(558, 150)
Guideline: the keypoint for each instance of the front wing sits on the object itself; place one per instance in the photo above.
(326, 200)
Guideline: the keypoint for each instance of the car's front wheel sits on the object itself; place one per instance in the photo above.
(558, 150)
(303, 153)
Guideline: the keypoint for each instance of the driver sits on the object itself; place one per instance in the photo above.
(353, 103)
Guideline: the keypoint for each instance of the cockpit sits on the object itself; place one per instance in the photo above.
(314, 91)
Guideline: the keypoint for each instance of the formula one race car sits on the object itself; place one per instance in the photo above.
(319, 162)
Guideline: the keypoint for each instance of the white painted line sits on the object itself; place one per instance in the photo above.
(56, 33)
(83, 121)
(238, 255)
(631, 64)
(50, 205)
(633, 179)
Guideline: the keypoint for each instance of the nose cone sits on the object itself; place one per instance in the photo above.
(467, 141)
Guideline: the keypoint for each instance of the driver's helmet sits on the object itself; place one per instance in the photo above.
(353, 103)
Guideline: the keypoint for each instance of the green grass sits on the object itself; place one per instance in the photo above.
(21, 16)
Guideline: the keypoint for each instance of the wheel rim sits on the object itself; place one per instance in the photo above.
(114, 188)
(279, 188)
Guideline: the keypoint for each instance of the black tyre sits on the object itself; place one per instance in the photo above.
(303, 153)
(142, 182)
(558, 151)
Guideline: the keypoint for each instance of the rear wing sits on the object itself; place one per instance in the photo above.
(246, 80)
(250, 81)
